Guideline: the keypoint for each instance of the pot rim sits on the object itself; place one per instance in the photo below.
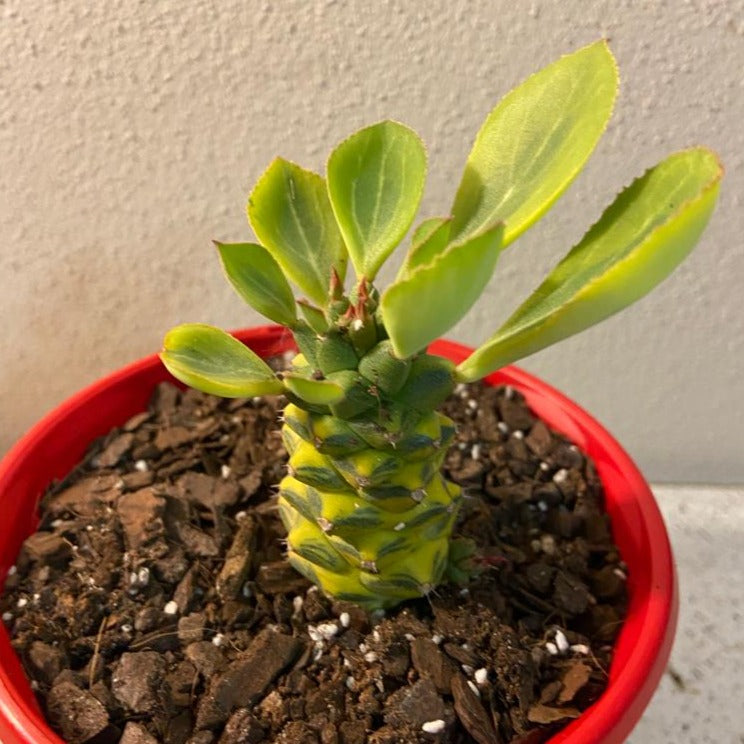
(641, 650)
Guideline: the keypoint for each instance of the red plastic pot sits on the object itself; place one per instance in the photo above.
(58, 442)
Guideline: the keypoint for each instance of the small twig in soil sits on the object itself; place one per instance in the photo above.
(597, 663)
(96, 652)
(608, 626)
(538, 602)
(152, 637)
(194, 683)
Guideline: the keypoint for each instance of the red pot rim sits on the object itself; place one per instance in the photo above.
(641, 650)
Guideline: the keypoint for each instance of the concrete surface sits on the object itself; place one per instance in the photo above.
(131, 133)
(700, 699)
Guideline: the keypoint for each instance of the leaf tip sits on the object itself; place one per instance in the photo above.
(602, 48)
(708, 157)
(712, 155)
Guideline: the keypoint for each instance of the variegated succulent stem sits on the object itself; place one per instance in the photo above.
(369, 523)
(368, 513)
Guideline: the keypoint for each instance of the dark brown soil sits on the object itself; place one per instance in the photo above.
(154, 605)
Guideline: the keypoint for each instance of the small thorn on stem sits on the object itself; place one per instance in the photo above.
(362, 292)
(370, 567)
(337, 287)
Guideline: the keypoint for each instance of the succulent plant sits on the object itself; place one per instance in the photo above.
(368, 512)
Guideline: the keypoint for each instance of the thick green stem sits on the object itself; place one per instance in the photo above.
(368, 512)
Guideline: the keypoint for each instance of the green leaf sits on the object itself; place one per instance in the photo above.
(314, 316)
(315, 392)
(649, 229)
(429, 240)
(259, 280)
(427, 229)
(421, 307)
(375, 181)
(307, 342)
(535, 142)
(211, 360)
(291, 215)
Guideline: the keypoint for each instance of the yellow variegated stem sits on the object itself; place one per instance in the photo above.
(368, 514)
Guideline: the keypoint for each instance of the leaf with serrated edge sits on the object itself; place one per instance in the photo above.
(429, 240)
(259, 280)
(641, 237)
(429, 301)
(292, 217)
(316, 392)
(535, 142)
(375, 181)
(211, 360)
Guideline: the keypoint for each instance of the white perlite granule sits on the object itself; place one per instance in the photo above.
(561, 476)
(327, 630)
(561, 641)
(433, 727)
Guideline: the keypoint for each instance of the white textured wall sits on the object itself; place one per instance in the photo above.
(131, 132)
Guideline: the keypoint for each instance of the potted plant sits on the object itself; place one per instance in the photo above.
(368, 511)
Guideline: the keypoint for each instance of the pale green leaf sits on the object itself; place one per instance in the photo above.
(259, 280)
(429, 240)
(647, 231)
(427, 229)
(316, 392)
(314, 316)
(291, 215)
(211, 360)
(375, 181)
(426, 303)
(535, 142)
